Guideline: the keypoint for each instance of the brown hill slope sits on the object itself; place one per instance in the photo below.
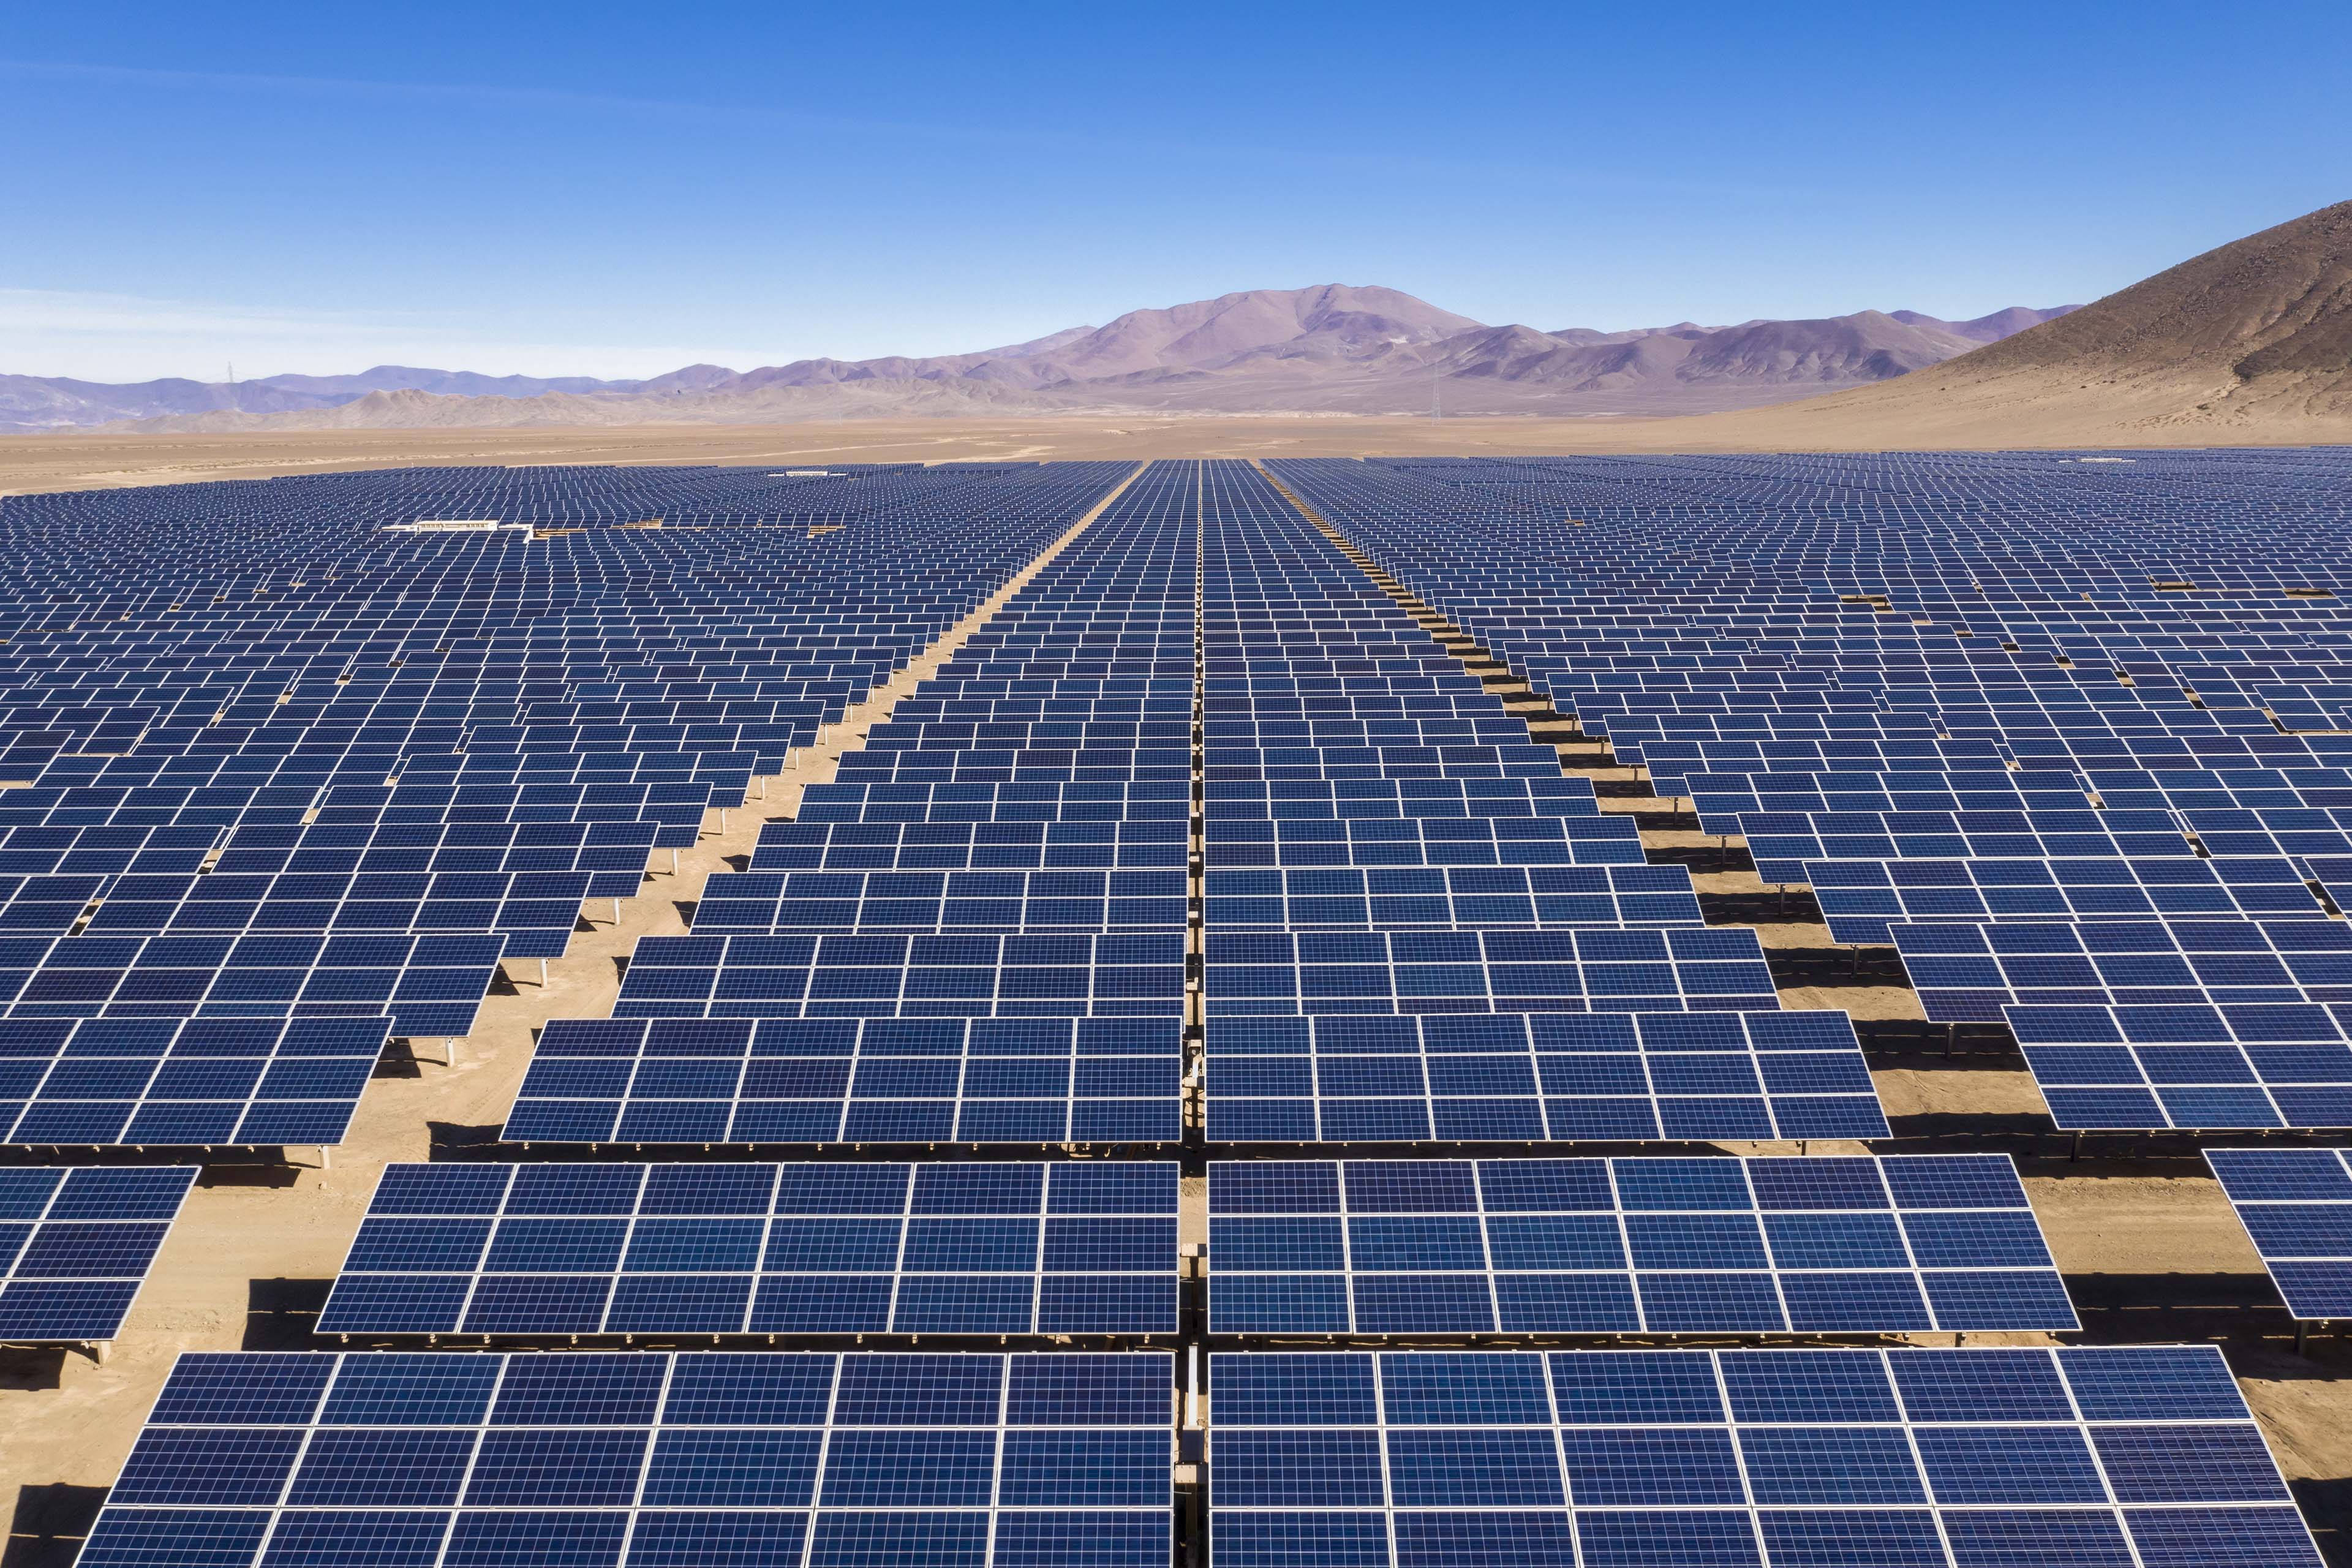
(2251, 341)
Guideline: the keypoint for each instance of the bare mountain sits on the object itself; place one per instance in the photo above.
(38, 402)
(2252, 339)
(1335, 348)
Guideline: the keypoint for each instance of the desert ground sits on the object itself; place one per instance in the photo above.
(30, 463)
(2150, 1248)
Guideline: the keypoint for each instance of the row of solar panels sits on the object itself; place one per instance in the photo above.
(2125, 1456)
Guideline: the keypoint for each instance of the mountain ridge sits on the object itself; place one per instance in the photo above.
(1329, 348)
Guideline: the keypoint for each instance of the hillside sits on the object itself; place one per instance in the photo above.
(2251, 341)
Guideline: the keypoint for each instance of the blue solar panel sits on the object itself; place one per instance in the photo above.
(1860, 901)
(1459, 898)
(1714, 969)
(2297, 1206)
(77, 1245)
(847, 1080)
(1613, 1246)
(763, 901)
(672, 1460)
(1139, 975)
(2130, 1455)
(1540, 1077)
(424, 985)
(1086, 1247)
(181, 1083)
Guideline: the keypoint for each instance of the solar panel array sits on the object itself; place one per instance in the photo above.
(1387, 848)
(2009, 691)
(274, 756)
(1201, 841)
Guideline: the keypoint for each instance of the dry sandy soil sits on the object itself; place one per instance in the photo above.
(2150, 1250)
(83, 462)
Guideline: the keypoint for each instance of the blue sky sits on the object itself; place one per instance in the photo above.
(619, 189)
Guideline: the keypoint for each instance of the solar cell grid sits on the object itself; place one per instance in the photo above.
(584, 1459)
(1863, 902)
(1152, 844)
(1564, 795)
(423, 985)
(77, 1245)
(535, 910)
(798, 1249)
(173, 1083)
(1602, 1247)
(847, 1080)
(842, 976)
(1471, 898)
(1234, 842)
(1715, 969)
(2139, 1454)
(1782, 842)
(1537, 1076)
(2296, 1207)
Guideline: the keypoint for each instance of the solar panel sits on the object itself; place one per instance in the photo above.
(184, 1083)
(425, 985)
(1720, 799)
(535, 910)
(1237, 842)
(1123, 802)
(425, 1458)
(1862, 902)
(994, 1249)
(2297, 1206)
(1259, 973)
(2286, 973)
(1459, 898)
(850, 1081)
(1540, 796)
(1780, 842)
(764, 902)
(1538, 1077)
(1149, 845)
(75, 1245)
(842, 975)
(2119, 1456)
(1639, 1245)
(103, 850)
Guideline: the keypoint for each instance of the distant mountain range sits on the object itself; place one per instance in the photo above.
(1335, 348)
